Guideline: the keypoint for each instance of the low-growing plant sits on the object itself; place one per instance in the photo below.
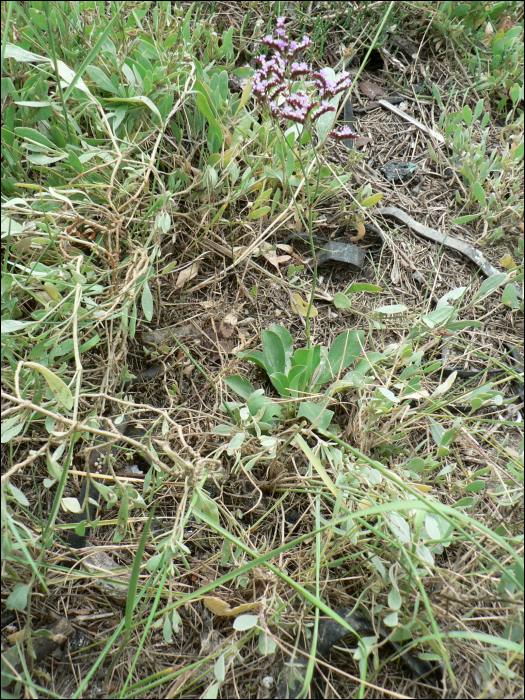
(258, 413)
(297, 374)
(492, 180)
(492, 36)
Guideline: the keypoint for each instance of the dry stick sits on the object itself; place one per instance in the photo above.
(434, 134)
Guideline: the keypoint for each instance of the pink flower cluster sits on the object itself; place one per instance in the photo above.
(277, 74)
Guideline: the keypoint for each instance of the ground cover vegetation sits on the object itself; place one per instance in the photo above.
(273, 426)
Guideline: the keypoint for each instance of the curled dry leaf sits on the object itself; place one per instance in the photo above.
(276, 260)
(222, 608)
(231, 319)
(186, 275)
(243, 342)
(360, 232)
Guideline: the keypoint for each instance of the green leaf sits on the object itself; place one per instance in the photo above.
(280, 382)
(273, 351)
(371, 201)
(149, 103)
(257, 213)
(257, 357)
(147, 302)
(267, 645)
(205, 108)
(245, 622)
(17, 600)
(453, 295)
(236, 441)
(489, 285)
(478, 109)
(341, 301)
(10, 326)
(240, 385)
(479, 193)
(510, 296)
(466, 219)
(363, 287)
(475, 486)
(316, 463)
(207, 506)
(394, 599)
(11, 428)
(326, 121)
(389, 396)
(305, 357)
(345, 349)
(466, 113)
(438, 317)
(391, 310)
(461, 325)
(213, 691)
(312, 411)
(102, 80)
(219, 669)
(60, 390)
(286, 339)
(391, 620)
(20, 54)
(34, 136)
(297, 380)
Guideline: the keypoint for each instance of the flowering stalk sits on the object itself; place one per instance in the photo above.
(275, 85)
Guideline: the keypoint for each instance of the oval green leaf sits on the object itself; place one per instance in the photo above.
(371, 201)
(147, 302)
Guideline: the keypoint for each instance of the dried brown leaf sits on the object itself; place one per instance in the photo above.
(276, 260)
(186, 275)
(371, 90)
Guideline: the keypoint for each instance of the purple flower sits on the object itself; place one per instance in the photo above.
(299, 69)
(276, 76)
(343, 132)
(294, 114)
(322, 109)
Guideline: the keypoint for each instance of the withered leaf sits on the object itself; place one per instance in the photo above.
(371, 90)
(301, 307)
(275, 260)
(186, 275)
(360, 232)
(222, 608)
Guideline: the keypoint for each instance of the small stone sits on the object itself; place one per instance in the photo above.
(399, 172)
(267, 682)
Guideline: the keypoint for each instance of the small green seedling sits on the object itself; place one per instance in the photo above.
(297, 374)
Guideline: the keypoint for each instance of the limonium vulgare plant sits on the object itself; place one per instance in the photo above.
(281, 86)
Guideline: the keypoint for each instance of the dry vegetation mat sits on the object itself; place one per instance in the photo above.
(262, 328)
